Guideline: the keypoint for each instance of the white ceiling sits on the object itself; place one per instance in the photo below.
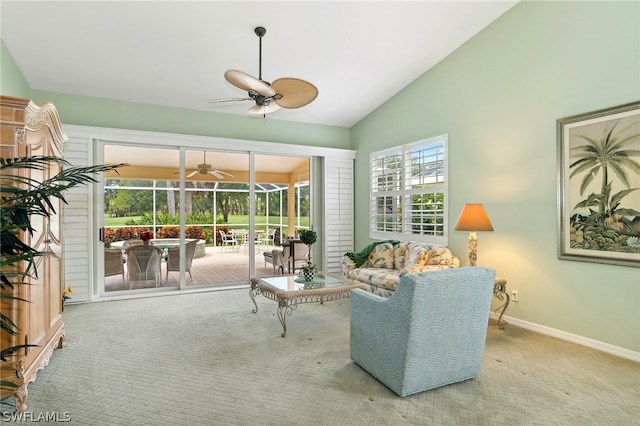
(357, 53)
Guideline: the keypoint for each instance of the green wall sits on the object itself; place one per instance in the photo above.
(498, 98)
(12, 82)
(87, 111)
(135, 116)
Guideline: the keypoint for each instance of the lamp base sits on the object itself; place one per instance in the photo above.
(473, 248)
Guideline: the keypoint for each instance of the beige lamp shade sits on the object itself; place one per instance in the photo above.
(473, 218)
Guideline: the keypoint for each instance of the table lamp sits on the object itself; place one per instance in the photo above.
(473, 218)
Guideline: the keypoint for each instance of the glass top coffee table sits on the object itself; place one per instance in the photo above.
(292, 290)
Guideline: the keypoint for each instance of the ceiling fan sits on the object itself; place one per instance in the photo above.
(285, 92)
(205, 169)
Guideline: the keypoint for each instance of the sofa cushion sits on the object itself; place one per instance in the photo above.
(424, 268)
(400, 255)
(380, 277)
(439, 255)
(418, 257)
(381, 256)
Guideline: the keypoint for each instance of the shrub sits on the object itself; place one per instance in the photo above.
(122, 234)
(109, 235)
(174, 232)
(194, 232)
(169, 232)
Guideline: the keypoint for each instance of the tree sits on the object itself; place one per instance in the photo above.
(232, 202)
(604, 155)
(120, 204)
(171, 198)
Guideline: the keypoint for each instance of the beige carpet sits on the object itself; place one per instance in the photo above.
(205, 359)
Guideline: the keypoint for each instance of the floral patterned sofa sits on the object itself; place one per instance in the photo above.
(387, 261)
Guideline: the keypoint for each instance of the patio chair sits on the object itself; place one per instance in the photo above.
(173, 258)
(132, 242)
(295, 255)
(277, 237)
(113, 263)
(259, 238)
(268, 237)
(144, 264)
(430, 333)
(227, 240)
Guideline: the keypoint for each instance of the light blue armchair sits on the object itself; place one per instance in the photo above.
(431, 332)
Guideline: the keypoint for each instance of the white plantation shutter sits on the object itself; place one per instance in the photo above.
(77, 226)
(409, 192)
(338, 211)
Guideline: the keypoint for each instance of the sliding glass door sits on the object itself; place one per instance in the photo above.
(210, 215)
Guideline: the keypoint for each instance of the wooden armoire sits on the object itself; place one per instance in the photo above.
(29, 129)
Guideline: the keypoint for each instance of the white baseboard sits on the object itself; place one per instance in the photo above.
(574, 338)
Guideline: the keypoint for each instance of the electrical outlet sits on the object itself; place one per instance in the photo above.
(514, 295)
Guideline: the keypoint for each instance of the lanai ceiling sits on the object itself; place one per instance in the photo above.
(358, 53)
(159, 163)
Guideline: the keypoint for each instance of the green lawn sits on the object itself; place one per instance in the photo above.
(119, 221)
(235, 221)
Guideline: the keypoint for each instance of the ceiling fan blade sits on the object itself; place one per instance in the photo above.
(219, 174)
(215, 101)
(264, 109)
(185, 170)
(294, 92)
(248, 83)
(193, 173)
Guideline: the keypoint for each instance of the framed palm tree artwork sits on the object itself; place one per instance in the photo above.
(599, 186)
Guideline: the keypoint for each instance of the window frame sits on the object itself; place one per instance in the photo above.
(398, 194)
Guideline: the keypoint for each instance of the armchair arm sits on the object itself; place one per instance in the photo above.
(379, 331)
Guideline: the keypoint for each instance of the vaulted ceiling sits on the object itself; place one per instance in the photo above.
(357, 53)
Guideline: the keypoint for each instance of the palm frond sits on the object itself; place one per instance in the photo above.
(23, 196)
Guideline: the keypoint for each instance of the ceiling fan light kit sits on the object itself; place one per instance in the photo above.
(285, 92)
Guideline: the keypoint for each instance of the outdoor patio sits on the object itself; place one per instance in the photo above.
(219, 266)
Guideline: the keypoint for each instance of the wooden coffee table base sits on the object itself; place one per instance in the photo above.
(288, 300)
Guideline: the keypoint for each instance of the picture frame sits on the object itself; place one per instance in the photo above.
(599, 186)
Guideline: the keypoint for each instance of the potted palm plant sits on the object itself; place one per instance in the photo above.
(23, 198)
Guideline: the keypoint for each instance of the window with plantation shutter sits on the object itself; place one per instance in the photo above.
(409, 192)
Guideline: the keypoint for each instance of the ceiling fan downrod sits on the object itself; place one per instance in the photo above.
(260, 32)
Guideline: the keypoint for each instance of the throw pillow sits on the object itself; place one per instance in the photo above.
(439, 255)
(400, 255)
(381, 256)
(418, 257)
